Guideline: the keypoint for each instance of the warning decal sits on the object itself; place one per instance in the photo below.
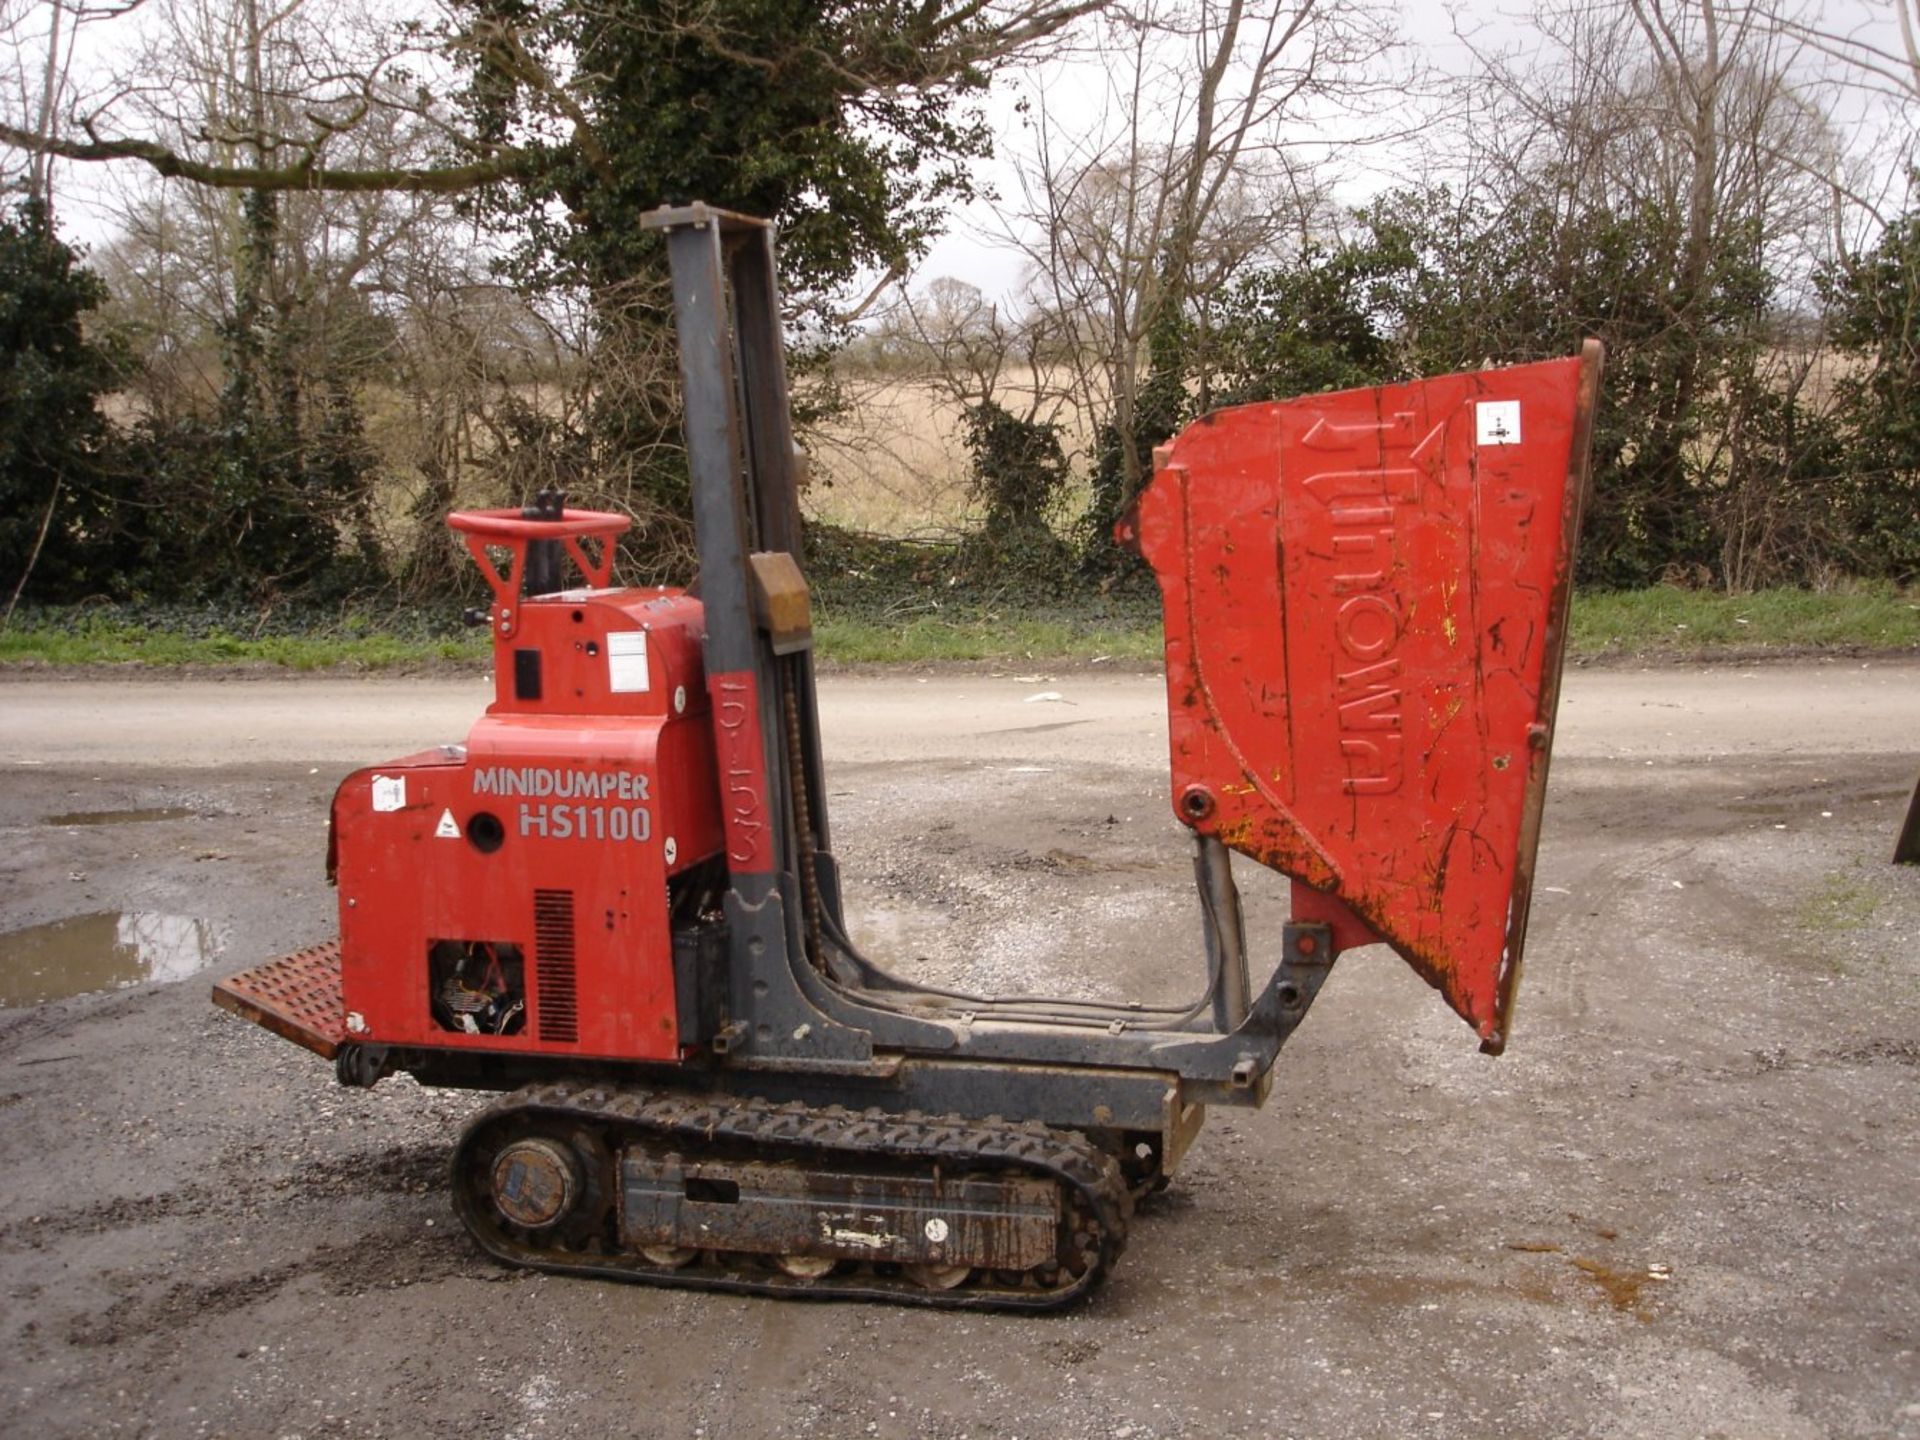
(448, 828)
(1497, 422)
(627, 661)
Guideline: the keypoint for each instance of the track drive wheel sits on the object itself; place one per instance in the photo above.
(552, 1184)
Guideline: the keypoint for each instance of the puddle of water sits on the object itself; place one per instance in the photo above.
(107, 950)
(119, 817)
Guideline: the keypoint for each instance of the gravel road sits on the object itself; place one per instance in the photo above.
(1683, 1204)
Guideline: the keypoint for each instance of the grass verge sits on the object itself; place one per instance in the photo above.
(1665, 619)
(861, 640)
(159, 649)
(290, 639)
(1640, 622)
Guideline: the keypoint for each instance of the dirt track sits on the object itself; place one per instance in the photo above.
(1684, 1204)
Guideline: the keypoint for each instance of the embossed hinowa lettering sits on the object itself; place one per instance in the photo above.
(1370, 727)
(1361, 505)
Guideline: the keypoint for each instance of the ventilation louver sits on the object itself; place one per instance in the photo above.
(558, 1004)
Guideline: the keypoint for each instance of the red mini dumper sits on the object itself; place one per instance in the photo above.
(617, 903)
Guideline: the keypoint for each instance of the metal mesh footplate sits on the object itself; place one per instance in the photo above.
(297, 997)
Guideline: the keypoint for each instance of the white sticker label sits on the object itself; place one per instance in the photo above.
(389, 792)
(448, 828)
(1497, 422)
(627, 661)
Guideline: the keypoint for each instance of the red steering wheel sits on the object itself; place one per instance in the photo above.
(509, 529)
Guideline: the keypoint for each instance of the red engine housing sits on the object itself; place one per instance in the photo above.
(513, 894)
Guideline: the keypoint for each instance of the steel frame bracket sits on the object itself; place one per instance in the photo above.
(1233, 1069)
(775, 1016)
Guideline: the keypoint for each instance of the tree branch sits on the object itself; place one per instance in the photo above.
(301, 175)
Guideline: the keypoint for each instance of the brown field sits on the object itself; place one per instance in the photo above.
(896, 462)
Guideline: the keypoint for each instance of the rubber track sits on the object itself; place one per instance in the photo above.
(1090, 1178)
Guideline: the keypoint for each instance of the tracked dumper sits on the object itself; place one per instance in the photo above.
(617, 902)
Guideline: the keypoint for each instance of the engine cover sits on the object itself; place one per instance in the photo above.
(515, 893)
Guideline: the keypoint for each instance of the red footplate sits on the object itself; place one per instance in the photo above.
(297, 997)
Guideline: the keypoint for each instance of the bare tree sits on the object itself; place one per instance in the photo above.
(1700, 128)
(1879, 50)
(41, 43)
(1190, 162)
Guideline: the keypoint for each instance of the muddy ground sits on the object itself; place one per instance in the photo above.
(1683, 1204)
